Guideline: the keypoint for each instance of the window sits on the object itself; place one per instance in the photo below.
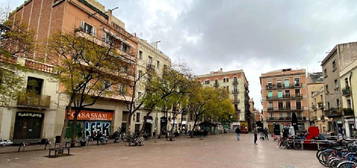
(280, 105)
(270, 94)
(280, 94)
(334, 67)
(337, 103)
(165, 67)
(140, 73)
(287, 105)
(297, 92)
(287, 93)
(140, 55)
(122, 89)
(207, 82)
(349, 104)
(228, 89)
(137, 117)
(157, 64)
(346, 83)
(270, 105)
(125, 48)
(328, 105)
(325, 73)
(270, 85)
(225, 79)
(286, 83)
(326, 89)
(297, 82)
(34, 85)
(150, 60)
(336, 84)
(87, 28)
(298, 105)
(278, 84)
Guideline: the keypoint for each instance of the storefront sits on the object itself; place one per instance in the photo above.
(90, 122)
(148, 126)
(28, 125)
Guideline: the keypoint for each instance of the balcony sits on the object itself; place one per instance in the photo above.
(333, 112)
(284, 119)
(284, 109)
(33, 101)
(285, 97)
(346, 91)
(348, 112)
(275, 87)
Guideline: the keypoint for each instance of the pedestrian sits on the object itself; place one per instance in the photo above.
(255, 136)
(266, 134)
(238, 133)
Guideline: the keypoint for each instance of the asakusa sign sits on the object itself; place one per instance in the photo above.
(92, 115)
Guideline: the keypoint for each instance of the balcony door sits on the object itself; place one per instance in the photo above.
(34, 85)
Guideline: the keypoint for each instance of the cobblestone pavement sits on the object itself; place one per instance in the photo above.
(221, 151)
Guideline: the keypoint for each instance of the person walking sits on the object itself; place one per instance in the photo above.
(238, 133)
(255, 136)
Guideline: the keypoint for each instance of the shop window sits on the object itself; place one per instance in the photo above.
(34, 85)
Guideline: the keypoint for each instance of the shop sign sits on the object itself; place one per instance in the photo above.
(27, 114)
(92, 115)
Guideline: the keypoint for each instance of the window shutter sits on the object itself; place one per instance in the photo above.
(94, 31)
(82, 25)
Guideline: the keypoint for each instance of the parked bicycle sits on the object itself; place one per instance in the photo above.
(339, 154)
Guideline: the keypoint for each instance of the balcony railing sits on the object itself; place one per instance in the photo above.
(286, 119)
(282, 109)
(26, 100)
(285, 97)
(348, 112)
(346, 91)
(333, 112)
(274, 87)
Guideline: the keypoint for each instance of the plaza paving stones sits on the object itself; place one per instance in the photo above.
(221, 151)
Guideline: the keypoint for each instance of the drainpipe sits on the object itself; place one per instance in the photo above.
(354, 117)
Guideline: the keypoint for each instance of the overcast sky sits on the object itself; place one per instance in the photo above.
(254, 35)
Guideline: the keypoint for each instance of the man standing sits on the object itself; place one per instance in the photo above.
(255, 136)
(238, 133)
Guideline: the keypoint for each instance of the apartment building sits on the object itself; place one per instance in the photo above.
(339, 58)
(315, 96)
(236, 85)
(348, 83)
(284, 94)
(85, 18)
(150, 57)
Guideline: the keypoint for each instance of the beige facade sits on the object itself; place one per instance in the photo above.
(339, 58)
(149, 56)
(348, 83)
(85, 18)
(236, 85)
(284, 93)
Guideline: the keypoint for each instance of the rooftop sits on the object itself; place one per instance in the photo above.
(283, 72)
